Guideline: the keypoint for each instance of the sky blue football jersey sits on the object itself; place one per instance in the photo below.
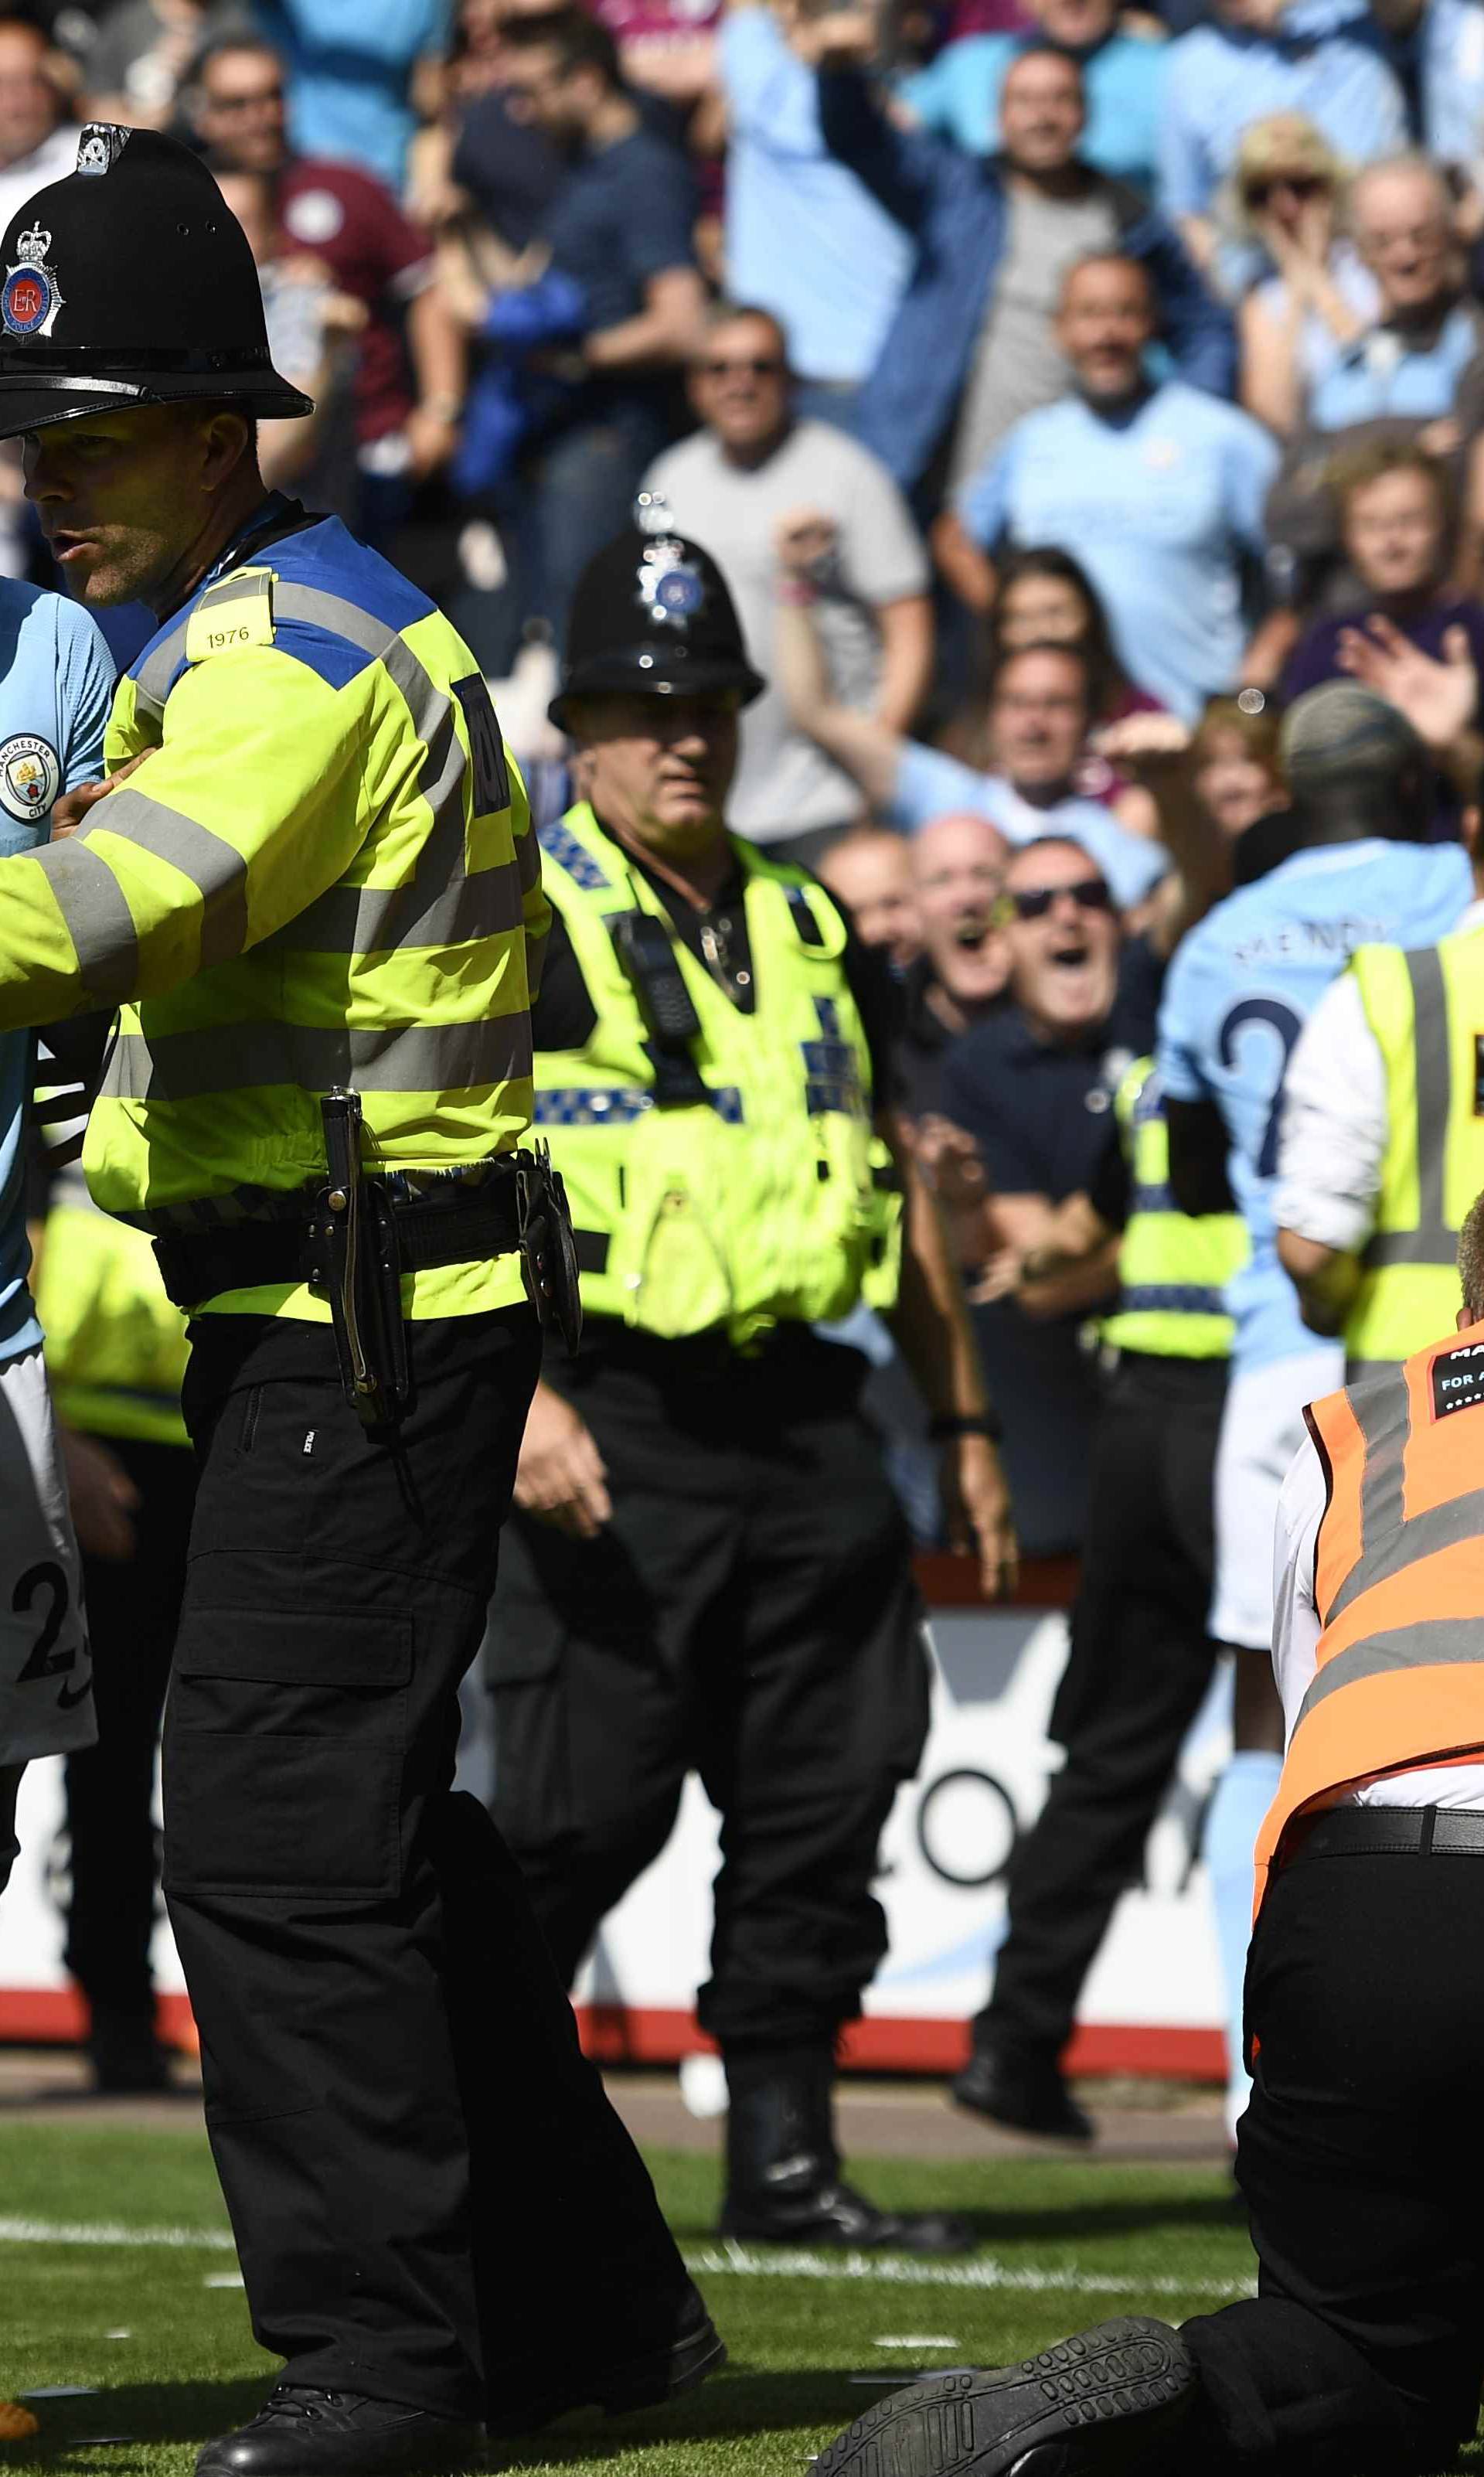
(1239, 991)
(56, 688)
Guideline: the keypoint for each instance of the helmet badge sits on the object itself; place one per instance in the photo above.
(671, 587)
(100, 146)
(31, 296)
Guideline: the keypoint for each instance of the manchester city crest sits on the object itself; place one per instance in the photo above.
(31, 296)
(29, 775)
(671, 587)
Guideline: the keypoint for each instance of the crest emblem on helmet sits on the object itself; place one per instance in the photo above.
(31, 296)
(671, 587)
(101, 144)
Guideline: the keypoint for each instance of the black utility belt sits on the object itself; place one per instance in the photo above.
(198, 1264)
(1380, 1830)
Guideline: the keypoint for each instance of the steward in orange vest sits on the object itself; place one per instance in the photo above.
(1398, 1583)
(1361, 2154)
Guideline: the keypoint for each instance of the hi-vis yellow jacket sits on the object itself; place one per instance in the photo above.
(763, 1200)
(324, 875)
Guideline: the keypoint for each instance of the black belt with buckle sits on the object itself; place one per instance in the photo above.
(468, 1229)
(1377, 1831)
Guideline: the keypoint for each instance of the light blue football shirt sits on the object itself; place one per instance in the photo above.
(56, 689)
(1159, 504)
(1239, 992)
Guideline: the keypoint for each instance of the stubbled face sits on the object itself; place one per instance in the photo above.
(1394, 532)
(1042, 113)
(1234, 786)
(657, 769)
(553, 99)
(1041, 611)
(1064, 956)
(958, 870)
(739, 385)
(1105, 326)
(1403, 233)
(871, 874)
(123, 497)
(239, 111)
(1038, 719)
(30, 105)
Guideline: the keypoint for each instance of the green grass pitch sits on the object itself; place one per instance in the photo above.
(114, 2257)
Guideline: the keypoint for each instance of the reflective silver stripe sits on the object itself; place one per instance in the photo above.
(1437, 1642)
(99, 921)
(1439, 1246)
(215, 867)
(364, 920)
(442, 860)
(152, 680)
(243, 584)
(1383, 1415)
(1389, 1546)
(242, 1057)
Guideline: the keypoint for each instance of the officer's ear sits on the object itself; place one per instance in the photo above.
(228, 437)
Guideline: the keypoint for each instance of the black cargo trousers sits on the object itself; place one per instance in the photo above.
(433, 2200)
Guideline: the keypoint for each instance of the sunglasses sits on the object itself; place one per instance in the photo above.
(743, 370)
(1298, 184)
(245, 102)
(1034, 902)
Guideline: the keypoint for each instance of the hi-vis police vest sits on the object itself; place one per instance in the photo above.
(116, 1347)
(1426, 1011)
(1173, 1267)
(323, 873)
(1398, 1582)
(756, 1197)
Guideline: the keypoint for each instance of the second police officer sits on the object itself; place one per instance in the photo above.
(316, 903)
(708, 1569)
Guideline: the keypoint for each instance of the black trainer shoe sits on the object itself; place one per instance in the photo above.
(1114, 2399)
(304, 2433)
(833, 2213)
(1022, 2088)
(127, 2059)
(632, 2382)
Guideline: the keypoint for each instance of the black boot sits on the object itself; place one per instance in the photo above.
(303, 2433)
(625, 2384)
(1022, 2088)
(126, 2057)
(1121, 2397)
(784, 2170)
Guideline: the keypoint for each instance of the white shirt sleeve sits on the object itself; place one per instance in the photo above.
(1333, 1137)
(1296, 1625)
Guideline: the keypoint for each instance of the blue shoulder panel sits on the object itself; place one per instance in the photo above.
(559, 843)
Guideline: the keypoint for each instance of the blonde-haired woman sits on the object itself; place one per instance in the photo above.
(1286, 197)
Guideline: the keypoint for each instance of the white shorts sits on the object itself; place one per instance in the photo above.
(1262, 1428)
(46, 1696)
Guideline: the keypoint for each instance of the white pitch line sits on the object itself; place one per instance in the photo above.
(727, 2260)
(736, 2261)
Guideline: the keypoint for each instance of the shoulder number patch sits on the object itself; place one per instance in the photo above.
(233, 614)
(491, 774)
(1457, 1379)
(30, 776)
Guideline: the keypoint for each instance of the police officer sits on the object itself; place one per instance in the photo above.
(1383, 1138)
(1142, 1655)
(315, 901)
(708, 1570)
(1360, 2155)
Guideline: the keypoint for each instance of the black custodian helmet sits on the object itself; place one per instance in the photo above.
(652, 612)
(130, 282)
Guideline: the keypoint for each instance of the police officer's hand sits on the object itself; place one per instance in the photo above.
(72, 808)
(562, 1478)
(976, 1512)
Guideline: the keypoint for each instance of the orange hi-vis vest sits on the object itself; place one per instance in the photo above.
(1398, 1583)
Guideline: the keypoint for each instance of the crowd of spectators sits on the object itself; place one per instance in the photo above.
(1063, 390)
